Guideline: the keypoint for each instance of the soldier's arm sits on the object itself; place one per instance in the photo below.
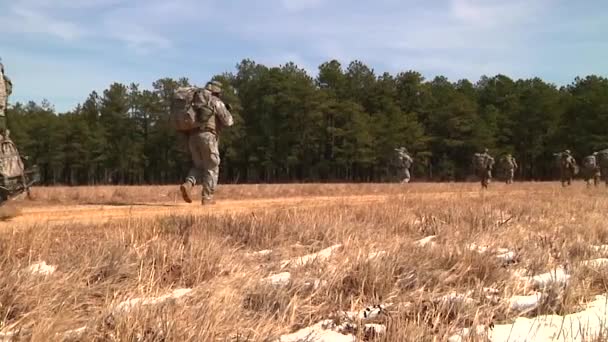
(9, 85)
(223, 114)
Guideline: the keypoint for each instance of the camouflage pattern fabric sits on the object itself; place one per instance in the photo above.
(484, 164)
(602, 160)
(568, 168)
(11, 165)
(591, 170)
(6, 88)
(510, 165)
(203, 145)
(404, 163)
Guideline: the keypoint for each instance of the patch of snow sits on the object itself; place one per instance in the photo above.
(429, 240)
(315, 284)
(176, 294)
(263, 253)
(41, 268)
(328, 331)
(525, 303)
(375, 255)
(587, 325)
(374, 329)
(457, 299)
(557, 277)
(600, 248)
(507, 257)
(479, 249)
(324, 331)
(307, 259)
(7, 336)
(281, 279)
(74, 333)
(596, 263)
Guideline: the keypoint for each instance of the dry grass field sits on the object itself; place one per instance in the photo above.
(383, 262)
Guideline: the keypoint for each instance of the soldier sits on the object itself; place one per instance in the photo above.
(6, 88)
(203, 145)
(484, 163)
(568, 167)
(602, 162)
(510, 167)
(591, 169)
(404, 163)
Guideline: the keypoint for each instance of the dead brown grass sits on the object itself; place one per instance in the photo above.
(101, 265)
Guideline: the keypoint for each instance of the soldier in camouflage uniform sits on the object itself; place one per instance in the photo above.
(568, 167)
(203, 145)
(404, 163)
(591, 169)
(485, 172)
(510, 167)
(602, 161)
(6, 88)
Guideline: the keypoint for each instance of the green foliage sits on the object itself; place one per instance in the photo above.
(342, 125)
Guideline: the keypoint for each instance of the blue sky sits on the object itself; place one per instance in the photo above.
(62, 50)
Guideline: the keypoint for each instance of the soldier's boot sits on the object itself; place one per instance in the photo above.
(185, 189)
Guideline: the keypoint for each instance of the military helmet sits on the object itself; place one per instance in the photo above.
(214, 87)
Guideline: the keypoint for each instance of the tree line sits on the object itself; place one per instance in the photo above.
(341, 125)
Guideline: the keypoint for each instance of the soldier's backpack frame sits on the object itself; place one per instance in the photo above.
(14, 178)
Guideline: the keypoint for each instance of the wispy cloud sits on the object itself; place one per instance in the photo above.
(25, 20)
(144, 39)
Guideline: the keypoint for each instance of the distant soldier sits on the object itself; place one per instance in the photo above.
(484, 163)
(591, 169)
(212, 115)
(567, 167)
(510, 165)
(6, 88)
(602, 162)
(404, 163)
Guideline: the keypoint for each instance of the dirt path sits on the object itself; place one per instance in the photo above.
(98, 213)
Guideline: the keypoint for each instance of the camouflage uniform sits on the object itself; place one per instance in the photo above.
(404, 162)
(6, 88)
(591, 169)
(203, 144)
(567, 167)
(602, 161)
(510, 167)
(486, 174)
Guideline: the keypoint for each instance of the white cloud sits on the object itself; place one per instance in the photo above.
(25, 20)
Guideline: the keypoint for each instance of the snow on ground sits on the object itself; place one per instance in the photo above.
(429, 240)
(556, 277)
(587, 325)
(280, 279)
(131, 303)
(307, 259)
(41, 268)
(329, 331)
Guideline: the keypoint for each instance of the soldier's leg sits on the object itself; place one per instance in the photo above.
(211, 166)
(406, 178)
(195, 175)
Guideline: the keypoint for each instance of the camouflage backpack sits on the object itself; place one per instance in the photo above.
(602, 158)
(184, 103)
(589, 162)
(480, 162)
